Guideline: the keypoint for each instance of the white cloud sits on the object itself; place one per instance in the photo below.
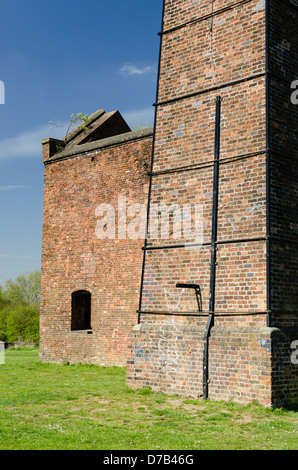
(130, 69)
(13, 188)
(25, 144)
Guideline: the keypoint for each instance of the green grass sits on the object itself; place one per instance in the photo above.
(65, 407)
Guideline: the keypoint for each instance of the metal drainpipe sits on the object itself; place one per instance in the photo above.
(151, 169)
(211, 17)
(268, 166)
(213, 250)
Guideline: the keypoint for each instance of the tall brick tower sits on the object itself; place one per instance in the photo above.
(218, 313)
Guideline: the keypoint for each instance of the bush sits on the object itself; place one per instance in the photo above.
(22, 324)
(3, 324)
(19, 309)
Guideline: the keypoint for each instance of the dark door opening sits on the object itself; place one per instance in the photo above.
(81, 310)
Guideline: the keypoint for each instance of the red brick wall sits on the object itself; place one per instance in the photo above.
(73, 258)
(283, 62)
(204, 57)
(234, 50)
(178, 12)
(162, 353)
(246, 364)
(167, 355)
(194, 61)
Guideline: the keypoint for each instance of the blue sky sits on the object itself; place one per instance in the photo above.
(58, 58)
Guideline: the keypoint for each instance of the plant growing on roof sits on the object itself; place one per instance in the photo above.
(74, 120)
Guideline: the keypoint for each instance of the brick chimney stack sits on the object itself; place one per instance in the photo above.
(225, 141)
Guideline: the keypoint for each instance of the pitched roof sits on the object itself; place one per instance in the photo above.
(72, 150)
(101, 126)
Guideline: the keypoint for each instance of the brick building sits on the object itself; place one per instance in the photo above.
(218, 314)
(90, 284)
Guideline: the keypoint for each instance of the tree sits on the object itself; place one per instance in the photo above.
(23, 324)
(3, 316)
(3, 324)
(19, 308)
(25, 289)
(2, 299)
(74, 119)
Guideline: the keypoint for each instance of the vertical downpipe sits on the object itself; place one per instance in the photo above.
(151, 169)
(268, 169)
(213, 249)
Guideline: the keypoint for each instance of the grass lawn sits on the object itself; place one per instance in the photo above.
(78, 407)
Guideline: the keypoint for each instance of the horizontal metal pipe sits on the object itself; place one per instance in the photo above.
(205, 17)
(208, 90)
(282, 239)
(221, 242)
(209, 163)
(201, 314)
(272, 76)
(190, 245)
(216, 13)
